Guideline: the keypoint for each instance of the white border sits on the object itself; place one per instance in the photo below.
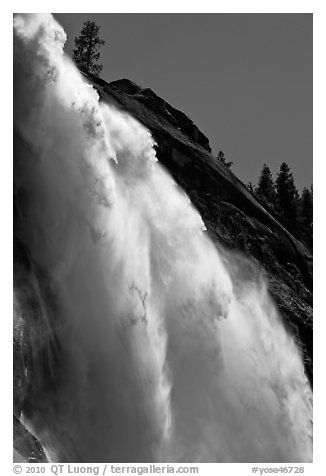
(315, 7)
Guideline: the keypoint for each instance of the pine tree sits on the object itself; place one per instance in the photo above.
(86, 54)
(287, 194)
(221, 158)
(250, 187)
(265, 189)
(306, 207)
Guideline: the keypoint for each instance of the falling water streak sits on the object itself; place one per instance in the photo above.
(164, 357)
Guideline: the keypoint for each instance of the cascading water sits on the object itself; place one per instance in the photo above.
(151, 349)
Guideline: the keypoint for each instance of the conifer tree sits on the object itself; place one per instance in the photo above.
(86, 52)
(250, 187)
(306, 208)
(221, 158)
(287, 194)
(265, 189)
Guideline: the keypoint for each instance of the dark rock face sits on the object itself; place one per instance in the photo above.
(161, 109)
(233, 216)
(36, 358)
(26, 447)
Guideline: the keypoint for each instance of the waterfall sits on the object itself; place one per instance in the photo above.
(145, 343)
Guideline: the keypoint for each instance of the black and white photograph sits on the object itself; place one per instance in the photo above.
(163, 239)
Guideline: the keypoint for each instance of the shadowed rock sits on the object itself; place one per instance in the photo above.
(27, 448)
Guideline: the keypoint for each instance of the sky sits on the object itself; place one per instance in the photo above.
(246, 80)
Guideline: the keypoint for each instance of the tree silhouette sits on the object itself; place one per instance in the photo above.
(250, 187)
(265, 189)
(306, 209)
(86, 54)
(287, 194)
(221, 158)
